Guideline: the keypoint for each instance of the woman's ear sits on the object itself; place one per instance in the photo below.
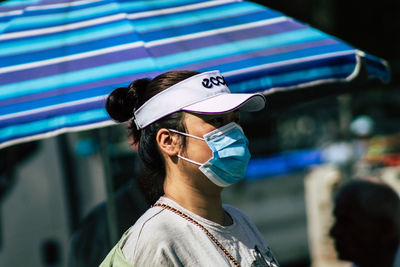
(168, 142)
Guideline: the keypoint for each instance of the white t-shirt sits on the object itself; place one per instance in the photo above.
(396, 260)
(162, 238)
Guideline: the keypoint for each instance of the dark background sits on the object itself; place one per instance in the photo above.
(372, 27)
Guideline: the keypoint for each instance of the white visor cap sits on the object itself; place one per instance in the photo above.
(205, 93)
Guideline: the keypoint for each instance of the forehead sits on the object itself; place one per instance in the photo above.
(207, 116)
(200, 124)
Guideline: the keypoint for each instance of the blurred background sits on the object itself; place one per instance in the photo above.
(52, 192)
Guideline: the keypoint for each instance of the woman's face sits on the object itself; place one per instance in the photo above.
(354, 232)
(199, 125)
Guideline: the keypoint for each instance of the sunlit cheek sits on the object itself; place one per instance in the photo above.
(203, 153)
(209, 152)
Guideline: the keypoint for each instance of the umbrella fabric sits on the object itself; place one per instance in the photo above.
(59, 59)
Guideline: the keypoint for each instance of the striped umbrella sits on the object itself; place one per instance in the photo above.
(60, 58)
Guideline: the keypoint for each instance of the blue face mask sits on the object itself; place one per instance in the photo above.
(230, 154)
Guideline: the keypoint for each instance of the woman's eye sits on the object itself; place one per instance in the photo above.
(217, 120)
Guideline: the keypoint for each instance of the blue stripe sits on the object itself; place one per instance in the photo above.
(105, 90)
(7, 18)
(55, 100)
(208, 25)
(374, 72)
(65, 38)
(293, 78)
(282, 163)
(377, 68)
(349, 60)
(28, 56)
(77, 77)
(126, 6)
(141, 6)
(107, 42)
(50, 20)
(332, 62)
(19, 3)
(57, 10)
(192, 17)
(54, 112)
(313, 51)
(52, 124)
(3, 25)
(233, 48)
(165, 62)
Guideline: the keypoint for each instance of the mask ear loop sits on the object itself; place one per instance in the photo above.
(189, 160)
(186, 134)
(189, 135)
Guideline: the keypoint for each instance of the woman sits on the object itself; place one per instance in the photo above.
(185, 125)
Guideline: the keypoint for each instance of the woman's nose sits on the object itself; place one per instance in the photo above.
(233, 116)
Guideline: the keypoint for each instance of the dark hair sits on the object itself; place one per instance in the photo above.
(122, 103)
(377, 201)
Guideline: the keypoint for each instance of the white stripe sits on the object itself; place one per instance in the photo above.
(71, 57)
(57, 132)
(286, 62)
(61, 5)
(67, 27)
(165, 11)
(49, 108)
(216, 31)
(53, 6)
(11, 13)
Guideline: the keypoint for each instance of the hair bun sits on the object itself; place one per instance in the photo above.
(123, 101)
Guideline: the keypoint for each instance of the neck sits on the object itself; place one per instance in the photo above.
(383, 257)
(204, 201)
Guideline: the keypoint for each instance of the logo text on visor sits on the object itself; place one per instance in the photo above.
(213, 80)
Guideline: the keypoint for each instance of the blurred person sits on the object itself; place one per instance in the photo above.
(90, 243)
(367, 227)
(186, 126)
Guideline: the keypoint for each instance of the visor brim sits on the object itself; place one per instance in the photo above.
(228, 102)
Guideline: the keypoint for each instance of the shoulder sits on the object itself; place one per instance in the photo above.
(231, 208)
(245, 224)
(153, 234)
(161, 238)
(238, 215)
(156, 224)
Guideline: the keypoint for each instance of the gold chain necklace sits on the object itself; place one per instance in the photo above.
(191, 220)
